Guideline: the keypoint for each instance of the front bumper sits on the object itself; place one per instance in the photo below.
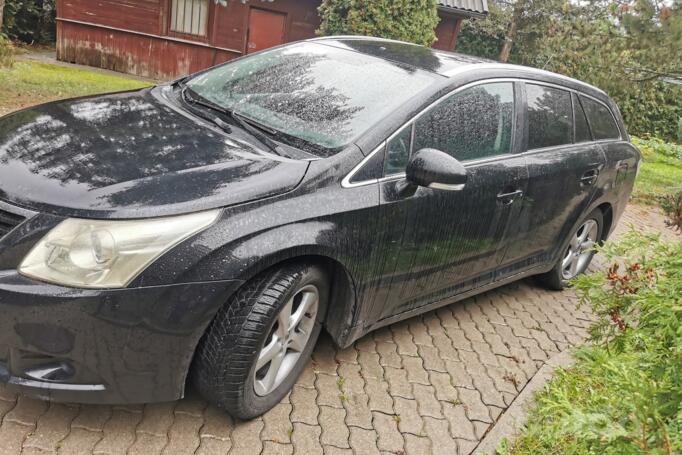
(102, 346)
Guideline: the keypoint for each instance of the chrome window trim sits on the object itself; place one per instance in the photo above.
(346, 182)
(506, 66)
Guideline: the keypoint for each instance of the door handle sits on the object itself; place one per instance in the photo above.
(509, 198)
(589, 177)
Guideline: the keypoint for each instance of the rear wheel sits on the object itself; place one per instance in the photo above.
(258, 344)
(579, 253)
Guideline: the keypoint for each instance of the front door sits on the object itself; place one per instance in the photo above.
(446, 242)
(266, 29)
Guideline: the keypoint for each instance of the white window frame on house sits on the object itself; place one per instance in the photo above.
(189, 17)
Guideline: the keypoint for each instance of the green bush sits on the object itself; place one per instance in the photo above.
(6, 52)
(672, 206)
(407, 20)
(30, 21)
(624, 396)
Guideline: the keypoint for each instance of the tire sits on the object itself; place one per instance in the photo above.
(248, 328)
(559, 277)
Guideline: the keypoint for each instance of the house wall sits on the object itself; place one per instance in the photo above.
(447, 32)
(132, 36)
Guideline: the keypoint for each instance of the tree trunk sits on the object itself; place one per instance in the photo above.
(2, 9)
(509, 40)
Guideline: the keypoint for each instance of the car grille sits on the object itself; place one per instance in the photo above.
(9, 221)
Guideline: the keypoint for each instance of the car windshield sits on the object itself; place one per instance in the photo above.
(319, 94)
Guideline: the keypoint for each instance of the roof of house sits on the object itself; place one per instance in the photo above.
(464, 7)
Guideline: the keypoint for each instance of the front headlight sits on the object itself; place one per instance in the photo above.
(107, 254)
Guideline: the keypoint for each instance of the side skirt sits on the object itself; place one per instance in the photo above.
(358, 332)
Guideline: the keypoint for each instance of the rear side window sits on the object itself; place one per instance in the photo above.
(472, 124)
(582, 130)
(549, 116)
(601, 120)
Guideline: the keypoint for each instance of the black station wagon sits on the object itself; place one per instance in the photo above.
(206, 230)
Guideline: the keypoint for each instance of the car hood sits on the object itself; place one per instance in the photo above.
(132, 155)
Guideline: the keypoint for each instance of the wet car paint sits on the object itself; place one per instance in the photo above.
(393, 253)
(132, 155)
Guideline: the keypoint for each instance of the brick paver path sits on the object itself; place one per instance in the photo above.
(432, 384)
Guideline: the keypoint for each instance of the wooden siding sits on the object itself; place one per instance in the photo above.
(132, 36)
(144, 55)
(139, 15)
(447, 32)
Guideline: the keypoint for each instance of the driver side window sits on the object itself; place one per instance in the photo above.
(475, 123)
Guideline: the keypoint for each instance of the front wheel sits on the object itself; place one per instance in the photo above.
(578, 254)
(260, 342)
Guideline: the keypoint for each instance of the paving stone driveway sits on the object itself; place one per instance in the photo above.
(432, 384)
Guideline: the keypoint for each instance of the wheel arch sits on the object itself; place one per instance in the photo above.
(341, 304)
(342, 299)
(607, 212)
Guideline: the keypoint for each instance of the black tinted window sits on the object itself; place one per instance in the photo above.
(600, 118)
(398, 152)
(471, 124)
(549, 116)
(582, 130)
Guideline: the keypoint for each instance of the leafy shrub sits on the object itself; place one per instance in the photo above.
(6, 52)
(656, 146)
(679, 130)
(406, 20)
(624, 396)
(672, 206)
(30, 21)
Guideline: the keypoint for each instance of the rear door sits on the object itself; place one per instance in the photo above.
(564, 164)
(441, 242)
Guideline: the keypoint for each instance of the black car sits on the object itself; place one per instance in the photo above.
(206, 230)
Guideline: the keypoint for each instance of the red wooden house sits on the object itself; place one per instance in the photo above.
(162, 39)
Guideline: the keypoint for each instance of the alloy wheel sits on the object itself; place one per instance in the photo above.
(580, 250)
(287, 340)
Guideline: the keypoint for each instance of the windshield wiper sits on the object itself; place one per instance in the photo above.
(261, 132)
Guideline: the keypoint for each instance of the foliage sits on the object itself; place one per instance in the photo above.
(661, 169)
(30, 21)
(619, 48)
(29, 83)
(6, 52)
(672, 206)
(483, 37)
(407, 20)
(616, 46)
(624, 396)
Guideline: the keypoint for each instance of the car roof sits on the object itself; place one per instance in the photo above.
(447, 64)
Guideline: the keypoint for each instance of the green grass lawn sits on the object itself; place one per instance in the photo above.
(661, 171)
(28, 83)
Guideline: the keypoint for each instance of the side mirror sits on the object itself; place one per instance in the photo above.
(435, 169)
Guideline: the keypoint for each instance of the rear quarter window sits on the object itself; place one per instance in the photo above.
(601, 120)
